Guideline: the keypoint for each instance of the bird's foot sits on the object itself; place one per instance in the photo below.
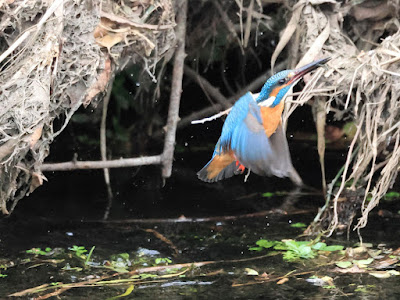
(240, 168)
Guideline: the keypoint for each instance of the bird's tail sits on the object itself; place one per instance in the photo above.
(221, 166)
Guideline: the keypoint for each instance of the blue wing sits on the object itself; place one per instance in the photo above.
(243, 134)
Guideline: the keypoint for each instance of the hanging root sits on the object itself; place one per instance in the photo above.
(366, 89)
(56, 56)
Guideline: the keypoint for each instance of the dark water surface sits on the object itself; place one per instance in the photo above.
(67, 212)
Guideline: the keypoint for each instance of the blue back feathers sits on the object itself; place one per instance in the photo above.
(235, 117)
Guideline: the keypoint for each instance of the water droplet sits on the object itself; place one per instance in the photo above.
(290, 221)
(186, 144)
(137, 83)
(69, 233)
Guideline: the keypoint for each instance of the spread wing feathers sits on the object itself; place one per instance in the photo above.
(223, 162)
(217, 169)
(222, 165)
(243, 138)
(281, 163)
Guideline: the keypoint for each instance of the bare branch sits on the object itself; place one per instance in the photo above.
(204, 83)
(176, 89)
(116, 163)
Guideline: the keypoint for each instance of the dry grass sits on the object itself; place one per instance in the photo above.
(361, 84)
(56, 56)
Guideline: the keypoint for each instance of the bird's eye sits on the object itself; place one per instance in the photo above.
(282, 81)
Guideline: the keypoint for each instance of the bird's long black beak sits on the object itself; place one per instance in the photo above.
(300, 72)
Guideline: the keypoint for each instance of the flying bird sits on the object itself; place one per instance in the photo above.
(252, 136)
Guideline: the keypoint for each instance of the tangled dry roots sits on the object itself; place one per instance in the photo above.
(363, 84)
(56, 56)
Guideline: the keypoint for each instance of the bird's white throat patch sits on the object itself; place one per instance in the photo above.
(268, 102)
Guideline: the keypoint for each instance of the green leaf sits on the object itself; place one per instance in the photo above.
(266, 243)
(319, 246)
(127, 293)
(290, 256)
(124, 256)
(280, 246)
(332, 248)
(147, 275)
(298, 225)
(298, 250)
(392, 196)
(267, 194)
(344, 264)
(163, 260)
(363, 261)
(256, 248)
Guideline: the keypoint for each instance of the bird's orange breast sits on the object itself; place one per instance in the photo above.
(271, 117)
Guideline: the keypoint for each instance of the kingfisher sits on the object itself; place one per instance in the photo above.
(252, 135)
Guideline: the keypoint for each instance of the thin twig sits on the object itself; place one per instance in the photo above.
(164, 239)
(255, 84)
(36, 28)
(103, 148)
(176, 90)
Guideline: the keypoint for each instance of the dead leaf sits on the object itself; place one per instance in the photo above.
(148, 45)
(396, 252)
(37, 180)
(383, 274)
(35, 136)
(328, 280)
(283, 280)
(288, 32)
(110, 39)
(102, 29)
(217, 272)
(354, 270)
(360, 250)
(251, 272)
(386, 263)
(316, 47)
(262, 277)
(7, 148)
(101, 84)
(123, 20)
